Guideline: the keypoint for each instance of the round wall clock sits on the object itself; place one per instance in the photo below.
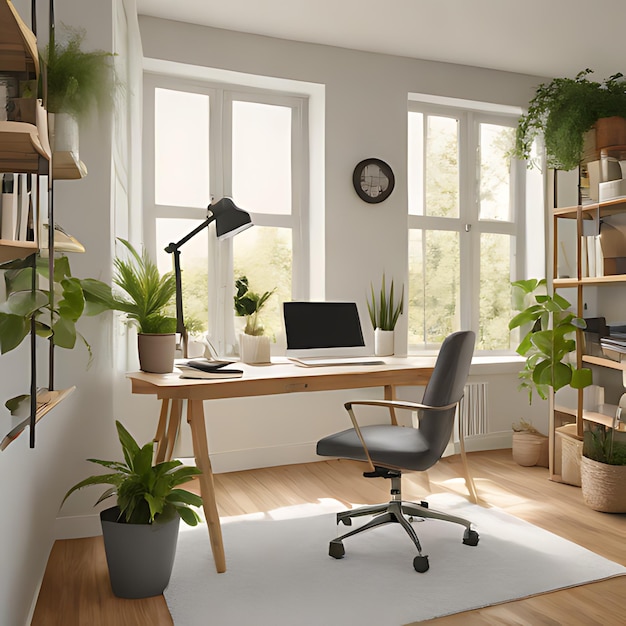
(373, 180)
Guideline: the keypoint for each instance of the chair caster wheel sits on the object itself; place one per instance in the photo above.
(420, 564)
(336, 549)
(470, 538)
(346, 521)
(424, 504)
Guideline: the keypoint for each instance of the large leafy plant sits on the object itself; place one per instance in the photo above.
(55, 309)
(563, 110)
(549, 341)
(248, 304)
(145, 492)
(385, 311)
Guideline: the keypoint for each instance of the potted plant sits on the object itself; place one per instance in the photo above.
(141, 532)
(55, 311)
(145, 298)
(603, 468)
(254, 346)
(384, 314)
(563, 110)
(548, 343)
(529, 447)
(77, 82)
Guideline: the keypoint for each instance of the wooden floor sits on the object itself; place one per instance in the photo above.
(76, 591)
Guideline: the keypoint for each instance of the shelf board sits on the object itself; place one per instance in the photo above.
(606, 208)
(603, 362)
(590, 280)
(11, 250)
(598, 417)
(20, 147)
(48, 401)
(67, 166)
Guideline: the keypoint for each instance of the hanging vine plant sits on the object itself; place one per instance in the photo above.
(563, 110)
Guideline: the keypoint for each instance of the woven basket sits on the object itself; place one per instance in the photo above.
(530, 449)
(603, 486)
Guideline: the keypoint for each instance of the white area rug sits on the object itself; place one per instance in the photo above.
(279, 572)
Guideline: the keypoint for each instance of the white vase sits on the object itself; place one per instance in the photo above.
(64, 133)
(383, 342)
(254, 349)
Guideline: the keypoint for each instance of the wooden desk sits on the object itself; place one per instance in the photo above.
(279, 377)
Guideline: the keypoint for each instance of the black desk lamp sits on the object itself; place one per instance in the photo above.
(229, 220)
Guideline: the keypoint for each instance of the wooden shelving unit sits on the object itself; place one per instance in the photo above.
(582, 213)
(25, 149)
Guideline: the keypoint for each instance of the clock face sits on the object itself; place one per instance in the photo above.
(373, 180)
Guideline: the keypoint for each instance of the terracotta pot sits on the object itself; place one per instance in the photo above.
(610, 131)
(156, 352)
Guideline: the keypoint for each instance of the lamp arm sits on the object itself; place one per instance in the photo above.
(173, 248)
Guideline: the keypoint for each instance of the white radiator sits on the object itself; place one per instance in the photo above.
(473, 410)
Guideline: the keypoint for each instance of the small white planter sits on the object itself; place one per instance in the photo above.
(64, 133)
(254, 349)
(383, 342)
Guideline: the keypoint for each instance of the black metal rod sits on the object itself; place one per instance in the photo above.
(33, 359)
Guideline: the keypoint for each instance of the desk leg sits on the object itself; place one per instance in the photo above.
(469, 481)
(195, 417)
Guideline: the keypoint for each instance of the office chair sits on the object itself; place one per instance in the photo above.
(390, 448)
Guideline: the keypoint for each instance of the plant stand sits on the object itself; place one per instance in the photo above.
(140, 556)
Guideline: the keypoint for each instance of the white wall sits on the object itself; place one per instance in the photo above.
(365, 115)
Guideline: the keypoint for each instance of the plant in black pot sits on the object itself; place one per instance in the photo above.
(563, 110)
(141, 531)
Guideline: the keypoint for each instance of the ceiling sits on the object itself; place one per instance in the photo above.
(541, 37)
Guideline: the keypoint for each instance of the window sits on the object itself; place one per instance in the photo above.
(465, 211)
(210, 141)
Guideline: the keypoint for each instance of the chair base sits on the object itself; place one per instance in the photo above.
(399, 512)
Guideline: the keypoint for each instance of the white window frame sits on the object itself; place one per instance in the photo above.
(468, 224)
(221, 96)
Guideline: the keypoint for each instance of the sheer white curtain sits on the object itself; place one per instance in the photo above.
(126, 152)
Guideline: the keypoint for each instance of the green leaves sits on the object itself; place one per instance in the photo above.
(248, 304)
(145, 492)
(385, 312)
(146, 294)
(563, 110)
(549, 342)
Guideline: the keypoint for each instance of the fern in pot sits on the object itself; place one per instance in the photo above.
(384, 312)
(141, 531)
(254, 345)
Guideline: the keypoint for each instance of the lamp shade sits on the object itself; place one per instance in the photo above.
(229, 218)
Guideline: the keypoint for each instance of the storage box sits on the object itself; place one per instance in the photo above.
(571, 454)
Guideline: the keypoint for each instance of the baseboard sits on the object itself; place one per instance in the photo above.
(237, 460)
(77, 526)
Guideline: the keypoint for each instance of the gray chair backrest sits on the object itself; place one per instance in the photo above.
(446, 386)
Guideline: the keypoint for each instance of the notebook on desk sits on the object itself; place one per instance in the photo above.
(325, 333)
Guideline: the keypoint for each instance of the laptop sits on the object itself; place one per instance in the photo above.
(325, 333)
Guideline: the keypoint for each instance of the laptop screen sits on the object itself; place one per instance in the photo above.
(330, 327)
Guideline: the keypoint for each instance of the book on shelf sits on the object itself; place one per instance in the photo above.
(9, 224)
